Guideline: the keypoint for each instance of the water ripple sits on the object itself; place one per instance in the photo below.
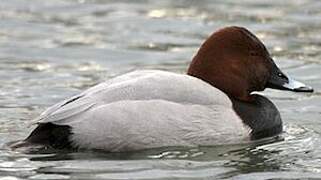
(50, 50)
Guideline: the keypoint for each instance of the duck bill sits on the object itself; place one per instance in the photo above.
(291, 85)
(279, 80)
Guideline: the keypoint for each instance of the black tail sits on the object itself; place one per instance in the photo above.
(48, 134)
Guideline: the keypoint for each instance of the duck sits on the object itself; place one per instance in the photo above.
(214, 103)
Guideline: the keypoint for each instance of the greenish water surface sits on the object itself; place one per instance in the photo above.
(50, 50)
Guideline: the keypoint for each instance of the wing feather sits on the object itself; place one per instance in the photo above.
(138, 85)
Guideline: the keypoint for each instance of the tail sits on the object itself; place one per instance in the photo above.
(47, 135)
(19, 144)
(25, 146)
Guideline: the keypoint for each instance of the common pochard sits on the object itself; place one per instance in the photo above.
(212, 104)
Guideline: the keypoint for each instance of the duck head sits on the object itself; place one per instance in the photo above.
(235, 61)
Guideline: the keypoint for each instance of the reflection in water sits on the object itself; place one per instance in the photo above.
(269, 155)
(219, 161)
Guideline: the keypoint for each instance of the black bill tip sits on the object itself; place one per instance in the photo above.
(303, 89)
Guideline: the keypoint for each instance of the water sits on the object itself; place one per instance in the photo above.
(50, 50)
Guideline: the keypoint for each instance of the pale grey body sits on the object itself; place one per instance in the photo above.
(147, 109)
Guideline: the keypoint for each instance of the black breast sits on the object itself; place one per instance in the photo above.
(261, 116)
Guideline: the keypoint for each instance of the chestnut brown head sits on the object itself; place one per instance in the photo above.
(235, 61)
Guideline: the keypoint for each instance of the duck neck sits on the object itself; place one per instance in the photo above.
(260, 115)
